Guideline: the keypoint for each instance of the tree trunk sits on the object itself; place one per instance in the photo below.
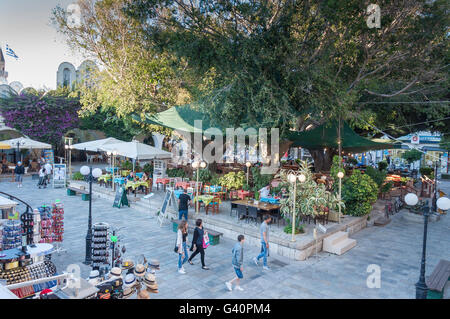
(322, 161)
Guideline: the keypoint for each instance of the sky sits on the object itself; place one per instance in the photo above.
(25, 26)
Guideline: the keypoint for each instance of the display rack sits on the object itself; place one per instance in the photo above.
(58, 221)
(100, 245)
(12, 234)
(46, 224)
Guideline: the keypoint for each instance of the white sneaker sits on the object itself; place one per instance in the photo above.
(266, 268)
(255, 261)
(181, 271)
(239, 288)
(228, 284)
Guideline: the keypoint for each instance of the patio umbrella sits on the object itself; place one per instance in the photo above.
(96, 146)
(137, 151)
(4, 146)
(26, 143)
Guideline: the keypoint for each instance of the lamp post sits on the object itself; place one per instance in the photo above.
(442, 203)
(340, 175)
(433, 203)
(292, 177)
(196, 165)
(90, 175)
(19, 143)
(248, 164)
(68, 146)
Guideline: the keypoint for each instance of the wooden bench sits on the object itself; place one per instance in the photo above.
(72, 191)
(436, 282)
(214, 236)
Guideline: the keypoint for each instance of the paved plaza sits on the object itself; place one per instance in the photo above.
(396, 248)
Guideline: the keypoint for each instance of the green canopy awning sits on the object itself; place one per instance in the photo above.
(178, 118)
(326, 136)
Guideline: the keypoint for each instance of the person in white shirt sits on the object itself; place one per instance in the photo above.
(48, 170)
(42, 178)
(265, 191)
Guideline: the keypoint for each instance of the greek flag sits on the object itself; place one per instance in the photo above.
(11, 53)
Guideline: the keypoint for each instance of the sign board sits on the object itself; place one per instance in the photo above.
(59, 175)
(121, 198)
(168, 199)
(415, 139)
(48, 156)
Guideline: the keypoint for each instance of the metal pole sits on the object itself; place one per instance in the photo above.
(421, 286)
(88, 258)
(196, 192)
(433, 205)
(340, 199)
(293, 212)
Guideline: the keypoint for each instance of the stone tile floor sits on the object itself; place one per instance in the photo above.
(396, 248)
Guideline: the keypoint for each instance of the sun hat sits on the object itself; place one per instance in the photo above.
(154, 263)
(139, 271)
(152, 288)
(143, 294)
(127, 264)
(149, 279)
(127, 292)
(94, 274)
(130, 280)
(116, 271)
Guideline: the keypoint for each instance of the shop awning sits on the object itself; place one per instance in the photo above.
(326, 136)
(4, 146)
(96, 146)
(137, 150)
(26, 143)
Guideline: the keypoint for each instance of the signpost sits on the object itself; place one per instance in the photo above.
(121, 198)
(168, 200)
(59, 175)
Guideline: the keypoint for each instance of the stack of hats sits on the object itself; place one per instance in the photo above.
(127, 264)
(154, 265)
(150, 283)
(115, 273)
(139, 271)
(94, 277)
(127, 292)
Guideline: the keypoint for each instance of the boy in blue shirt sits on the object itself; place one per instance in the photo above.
(237, 261)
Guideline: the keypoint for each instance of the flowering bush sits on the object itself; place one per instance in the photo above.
(44, 117)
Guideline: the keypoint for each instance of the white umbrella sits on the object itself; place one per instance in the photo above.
(96, 146)
(26, 143)
(137, 150)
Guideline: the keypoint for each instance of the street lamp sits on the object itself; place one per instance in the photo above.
(292, 177)
(444, 204)
(68, 146)
(90, 174)
(196, 165)
(340, 175)
(248, 164)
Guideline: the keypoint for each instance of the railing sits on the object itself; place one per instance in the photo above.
(11, 197)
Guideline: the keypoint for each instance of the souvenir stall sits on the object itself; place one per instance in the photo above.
(8, 208)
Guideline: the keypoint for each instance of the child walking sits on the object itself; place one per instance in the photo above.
(42, 178)
(237, 261)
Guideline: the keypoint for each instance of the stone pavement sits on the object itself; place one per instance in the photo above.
(396, 248)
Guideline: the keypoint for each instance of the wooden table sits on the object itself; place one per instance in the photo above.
(261, 206)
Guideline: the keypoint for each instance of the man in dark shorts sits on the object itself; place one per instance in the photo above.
(183, 202)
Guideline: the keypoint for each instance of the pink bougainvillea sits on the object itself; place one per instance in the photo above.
(45, 118)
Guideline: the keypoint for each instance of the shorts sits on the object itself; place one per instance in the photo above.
(19, 177)
(238, 273)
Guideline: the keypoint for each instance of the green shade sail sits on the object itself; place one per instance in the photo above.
(178, 118)
(326, 136)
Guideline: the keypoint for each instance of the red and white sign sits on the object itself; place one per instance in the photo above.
(415, 139)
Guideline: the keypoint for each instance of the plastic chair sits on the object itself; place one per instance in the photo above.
(214, 205)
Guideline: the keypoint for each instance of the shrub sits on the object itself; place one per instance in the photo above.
(77, 176)
(426, 171)
(298, 229)
(412, 155)
(126, 165)
(376, 175)
(382, 165)
(233, 180)
(204, 175)
(175, 172)
(260, 180)
(148, 168)
(359, 192)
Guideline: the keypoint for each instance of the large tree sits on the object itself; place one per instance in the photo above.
(297, 64)
(133, 77)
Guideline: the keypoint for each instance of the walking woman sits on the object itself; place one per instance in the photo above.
(181, 244)
(197, 243)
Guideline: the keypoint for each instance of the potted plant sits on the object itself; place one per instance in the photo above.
(257, 197)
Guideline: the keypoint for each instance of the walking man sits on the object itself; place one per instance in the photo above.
(264, 230)
(48, 170)
(19, 170)
(183, 202)
(237, 262)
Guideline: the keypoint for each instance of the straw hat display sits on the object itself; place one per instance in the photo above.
(130, 280)
(127, 292)
(149, 279)
(127, 264)
(152, 288)
(154, 263)
(139, 271)
(116, 272)
(143, 294)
